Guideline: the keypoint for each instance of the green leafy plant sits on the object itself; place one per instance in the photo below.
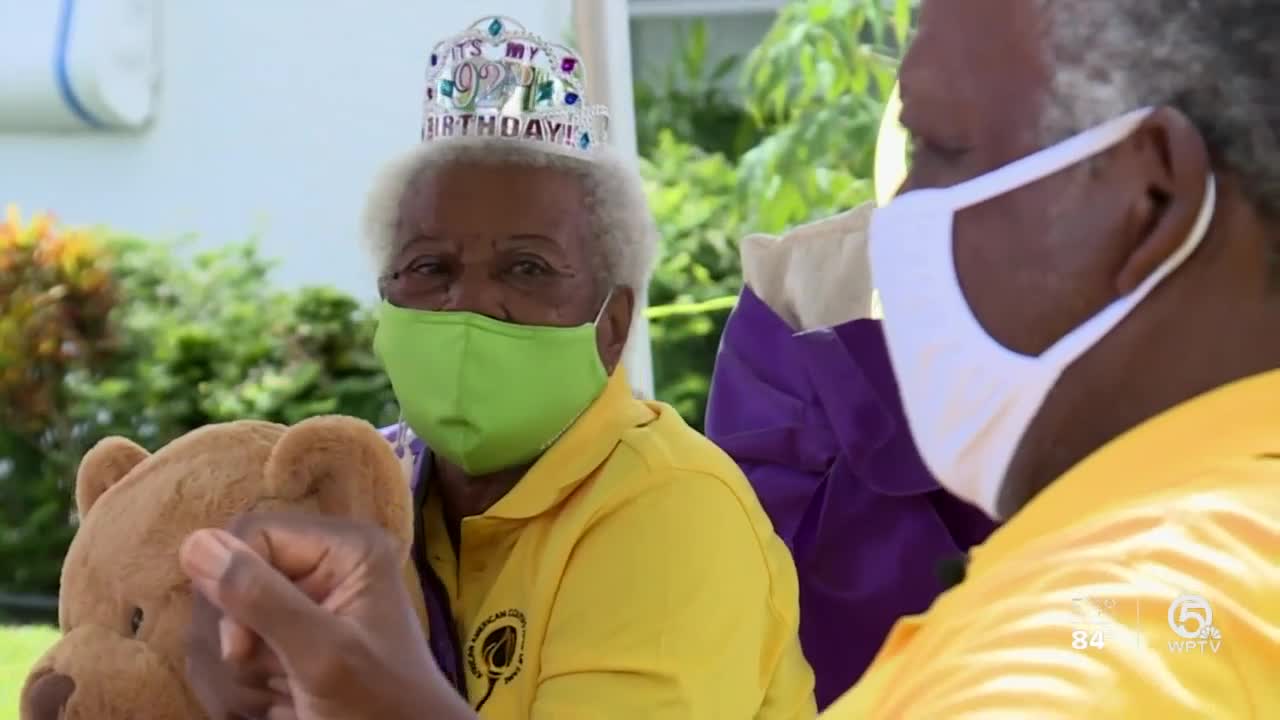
(822, 74)
(212, 340)
(693, 196)
(55, 300)
(688, 99)
(200, 338)
(815, 91)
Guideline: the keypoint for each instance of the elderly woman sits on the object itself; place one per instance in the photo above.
(579, 553)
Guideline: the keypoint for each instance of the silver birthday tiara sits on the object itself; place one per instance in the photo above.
(497, 79)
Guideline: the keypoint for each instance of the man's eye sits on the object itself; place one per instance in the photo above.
(920, 148)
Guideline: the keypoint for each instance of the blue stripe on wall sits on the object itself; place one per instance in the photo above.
(60, 68)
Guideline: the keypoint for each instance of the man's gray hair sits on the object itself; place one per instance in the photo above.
(1217, 61)
(613, 194)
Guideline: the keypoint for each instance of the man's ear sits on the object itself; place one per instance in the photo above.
(350, 470)
(106, 464)
(1175, 165)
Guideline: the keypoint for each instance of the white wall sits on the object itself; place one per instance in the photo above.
(656, 42)
(273, 117)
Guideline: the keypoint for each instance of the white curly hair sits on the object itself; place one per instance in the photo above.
(614, 197)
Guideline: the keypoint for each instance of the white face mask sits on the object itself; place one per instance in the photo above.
(969, 399)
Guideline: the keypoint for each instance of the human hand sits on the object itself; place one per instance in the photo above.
(230, 674)
(316, 624)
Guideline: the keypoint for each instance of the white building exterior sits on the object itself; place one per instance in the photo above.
(270, 116)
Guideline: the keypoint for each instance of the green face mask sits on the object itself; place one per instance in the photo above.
(486, 394)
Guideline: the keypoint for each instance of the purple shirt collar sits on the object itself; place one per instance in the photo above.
(815, 395)
(442, 635)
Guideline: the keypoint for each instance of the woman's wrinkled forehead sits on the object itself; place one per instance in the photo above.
(493, 200)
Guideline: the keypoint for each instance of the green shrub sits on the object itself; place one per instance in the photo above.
(55, 299)
(212, 339)
(821, 77)
(686, 98)
(815, 91)
(694, 197)
(201, 339)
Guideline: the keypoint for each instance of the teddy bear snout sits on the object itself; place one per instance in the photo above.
(47, 696)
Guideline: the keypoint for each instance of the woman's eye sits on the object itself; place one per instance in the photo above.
(929, 148)
(427, 267)
(529, 268)
(135, 622)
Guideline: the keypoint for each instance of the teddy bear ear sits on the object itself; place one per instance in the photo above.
(103, 466)
(348, 467)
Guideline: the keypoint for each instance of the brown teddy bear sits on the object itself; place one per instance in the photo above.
(125, 603)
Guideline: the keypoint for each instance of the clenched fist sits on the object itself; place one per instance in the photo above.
(302, 617)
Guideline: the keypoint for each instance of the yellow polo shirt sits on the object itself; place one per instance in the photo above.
(1144, 583)
(632, 573)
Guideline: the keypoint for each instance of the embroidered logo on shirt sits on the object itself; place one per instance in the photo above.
(496, 650)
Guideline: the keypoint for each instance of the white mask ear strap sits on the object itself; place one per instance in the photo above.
(603, 306)
(1046, 162)
(1075, 343)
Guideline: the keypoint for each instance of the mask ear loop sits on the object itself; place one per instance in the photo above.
(554, 438)
(603, 306)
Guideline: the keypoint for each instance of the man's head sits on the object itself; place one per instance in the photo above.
(990, 81)
(516, 232)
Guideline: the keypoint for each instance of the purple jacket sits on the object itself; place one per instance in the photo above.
(441, 634)
(815, 422)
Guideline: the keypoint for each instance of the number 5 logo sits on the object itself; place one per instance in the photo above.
(1190, 607)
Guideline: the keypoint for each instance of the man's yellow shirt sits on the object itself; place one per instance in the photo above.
(1144, 583)
(630, 574)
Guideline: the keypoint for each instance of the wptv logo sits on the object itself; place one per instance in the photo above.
(1191, 619)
